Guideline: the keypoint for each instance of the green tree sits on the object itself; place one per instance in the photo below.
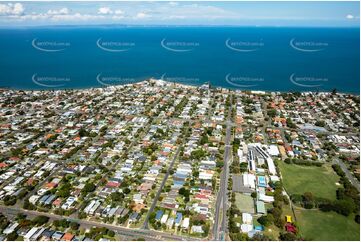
(40, 220)
(288, 236)
(266, 220)
(89, 187)
(12, 236)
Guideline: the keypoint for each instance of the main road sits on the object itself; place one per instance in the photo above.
(220, 227)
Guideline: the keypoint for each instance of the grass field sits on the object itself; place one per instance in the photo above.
(321, 181)
(244, 203)
(317, 225)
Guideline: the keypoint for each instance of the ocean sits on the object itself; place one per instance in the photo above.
(246, 58)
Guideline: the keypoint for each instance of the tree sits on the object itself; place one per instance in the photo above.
(9, 200)
(20, 217)
(110, 233)
(83, 132)
(288, 236)
(326, 207)
(198, 154)
(74, 225)
(308, 200)
(266, 220)
(220, 164)
(126, 190)
(81, 215)
(12, 236)
(204, 139)
(64, 190)
(89, 187)
(27, 205)
(357, 218)
(239, 236)
(320, 123)
(260, 237)
(290, 123)
(40, 220)
(184, 192)
(117, 196)
(344, 206)
(277, 214)
(288, 161)
(3, 222)
(272, 113)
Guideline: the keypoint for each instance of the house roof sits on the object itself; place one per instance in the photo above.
(67, 236)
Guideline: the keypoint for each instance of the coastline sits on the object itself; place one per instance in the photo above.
(160, 81)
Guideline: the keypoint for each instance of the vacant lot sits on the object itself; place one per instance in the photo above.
(317, 225)
(321, 181)
(244, 203)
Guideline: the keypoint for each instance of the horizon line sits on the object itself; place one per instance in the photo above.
(178, 25)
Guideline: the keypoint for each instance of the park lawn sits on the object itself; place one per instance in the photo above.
(321, 181)
(272, 232)
(317, 225)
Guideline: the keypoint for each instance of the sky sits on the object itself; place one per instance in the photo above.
(299, 14)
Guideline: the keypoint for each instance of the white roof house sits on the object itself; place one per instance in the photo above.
(206, 175)
(271, 166)
(89, 206)
(275, 178)
(37, 234)
(137, 198)
(265, 198)
(247, 218)
(164, 219)
(185, 223)
(273, 150)
(245, 228)
(9, 229)
(30, 233)
(69, 202)
(197, 229)
(34, 198)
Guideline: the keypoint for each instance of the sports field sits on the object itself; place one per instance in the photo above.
(317, 225)
(321, 181)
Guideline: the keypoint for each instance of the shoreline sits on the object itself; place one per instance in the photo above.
(235, 89)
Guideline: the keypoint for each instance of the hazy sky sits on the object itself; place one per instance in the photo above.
(181, 13)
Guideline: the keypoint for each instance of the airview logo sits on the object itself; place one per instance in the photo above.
(179, 79)
(113, 80)
(308, 46)
(114, 46)
(179, 46)
(50, 46)
(244, 46)
(243, 81)
(307, 81)
(49, 81)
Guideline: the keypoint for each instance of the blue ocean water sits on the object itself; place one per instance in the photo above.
(247, 58)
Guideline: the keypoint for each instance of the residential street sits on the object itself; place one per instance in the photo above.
(349, 175)
(131, 232)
